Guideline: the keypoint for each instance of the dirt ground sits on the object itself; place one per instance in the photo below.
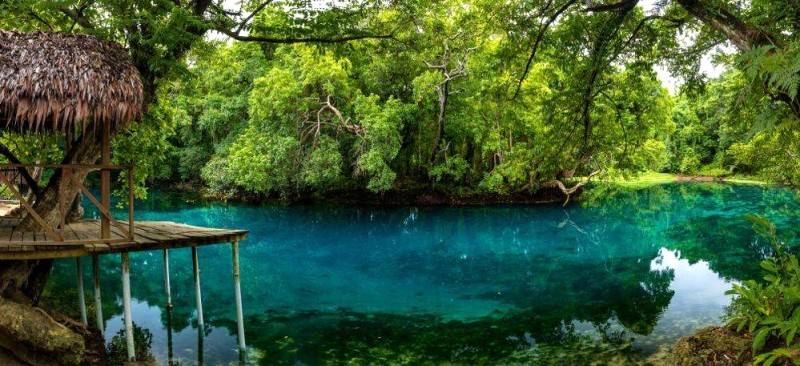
(5, 207)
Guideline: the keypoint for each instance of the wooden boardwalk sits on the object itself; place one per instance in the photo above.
(82, 238)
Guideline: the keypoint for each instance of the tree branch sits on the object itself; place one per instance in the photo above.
(77, 16)
(253, 14)
(744, 36)
(26, 175)
(338, 39)
(624, 5)
(539, 37)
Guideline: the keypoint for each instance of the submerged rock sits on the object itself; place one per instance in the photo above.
(33, 337)
(714, 346)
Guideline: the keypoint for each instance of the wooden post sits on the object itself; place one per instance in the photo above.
(238, 295)
(105, 181)
(166, 278)
(126, 302)
(81, 294)
(170, 347)
(200, 336)
(98, 303)
(62, 207)
(131, 230)
(196, 267)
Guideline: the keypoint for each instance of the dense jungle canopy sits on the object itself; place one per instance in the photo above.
(289, 98)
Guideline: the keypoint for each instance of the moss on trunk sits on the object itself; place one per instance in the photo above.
(32, 336)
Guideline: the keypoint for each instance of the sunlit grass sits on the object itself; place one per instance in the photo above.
(649, 179)
(746, 180)
(643, 180)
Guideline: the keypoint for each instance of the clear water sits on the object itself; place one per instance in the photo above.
(614, 279)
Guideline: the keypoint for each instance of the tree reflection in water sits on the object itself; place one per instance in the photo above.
(618, 273)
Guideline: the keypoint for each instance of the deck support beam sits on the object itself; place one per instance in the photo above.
(81, 291)
(105, 181)
(238, 294)
(126, 301)
(199, 298)
(98, 303)
(167, 289)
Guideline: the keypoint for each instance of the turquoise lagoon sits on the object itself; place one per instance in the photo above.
(616, 278)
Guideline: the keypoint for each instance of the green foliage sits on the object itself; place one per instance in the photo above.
(118, 351)
(262, 162)
(777, 68)
(770, 309)
(453, 167)
(733, 128)
(324, 164)
(486, 95)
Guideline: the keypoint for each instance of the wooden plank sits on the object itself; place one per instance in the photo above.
(7, 234)
(83, 237)
(152, 229)
(69, 233)
(9, 222)
(116, 233)
(43, 254)
(83, 230)
(141, 233)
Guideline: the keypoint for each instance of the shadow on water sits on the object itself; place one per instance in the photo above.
(611, 280)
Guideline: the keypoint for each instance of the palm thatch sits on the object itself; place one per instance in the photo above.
(61, 82)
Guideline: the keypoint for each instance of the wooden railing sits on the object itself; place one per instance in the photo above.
(58, 233)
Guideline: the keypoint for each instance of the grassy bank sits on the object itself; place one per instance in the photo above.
(649, 179)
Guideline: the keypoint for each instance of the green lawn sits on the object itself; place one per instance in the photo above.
(652, 178)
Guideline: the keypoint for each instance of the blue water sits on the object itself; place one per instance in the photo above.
(619, 276)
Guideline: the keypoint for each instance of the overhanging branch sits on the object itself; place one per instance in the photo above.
(337, 39)
(624, 5)
(539, 37)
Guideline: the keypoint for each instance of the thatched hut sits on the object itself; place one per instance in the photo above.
(60, 82)
(51, 82)
(84, 88)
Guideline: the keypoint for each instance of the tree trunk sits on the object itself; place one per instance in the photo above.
(23, 281)
(86, 151)
(27, 332)
(36, 338)
(743, 35)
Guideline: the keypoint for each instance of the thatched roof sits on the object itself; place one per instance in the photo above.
(61, 82)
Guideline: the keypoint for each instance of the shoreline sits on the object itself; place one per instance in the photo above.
(445, 197)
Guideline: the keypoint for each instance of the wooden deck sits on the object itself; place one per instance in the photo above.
(82, 238)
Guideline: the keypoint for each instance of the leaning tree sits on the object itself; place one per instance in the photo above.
(77, 90)
(73, 87)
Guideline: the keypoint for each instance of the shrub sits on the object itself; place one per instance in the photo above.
(770, 309)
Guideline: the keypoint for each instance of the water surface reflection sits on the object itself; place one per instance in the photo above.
(622, 274)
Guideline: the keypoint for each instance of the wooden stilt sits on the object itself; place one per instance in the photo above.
(170, 347)
(98, 303)
(126, 301)
(81, 291)
(105, 181)
(200, 336)
(166, 278)
(196, 267)
(238, 295)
